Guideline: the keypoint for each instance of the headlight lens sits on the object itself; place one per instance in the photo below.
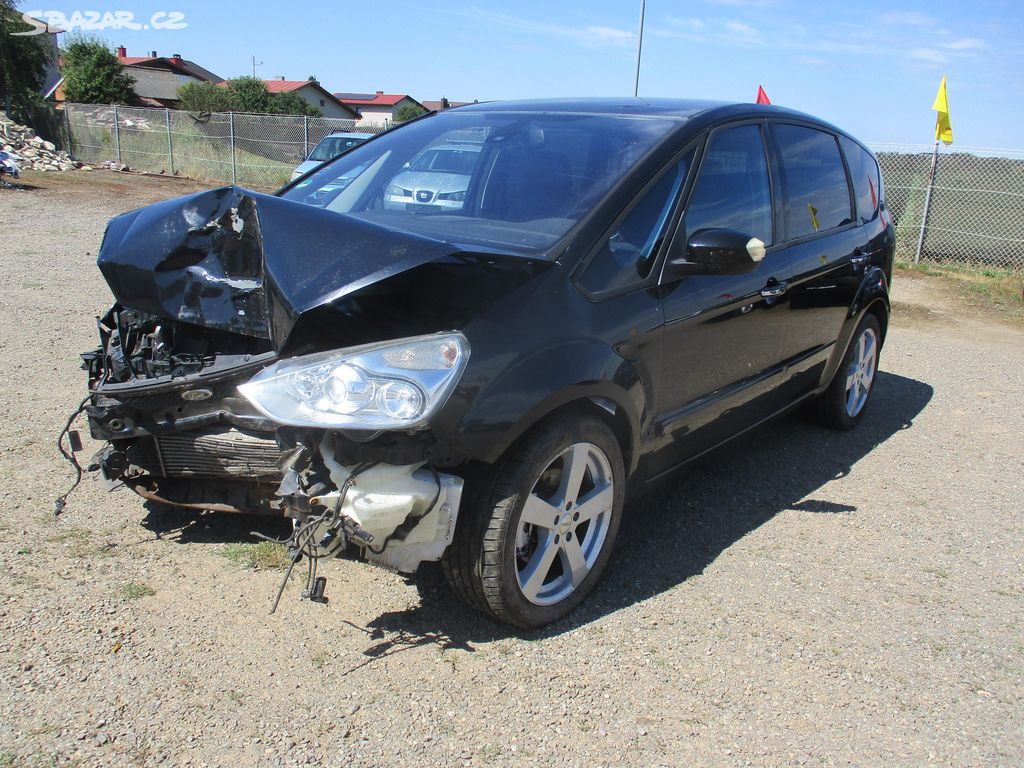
(395, 191)
(393, 385)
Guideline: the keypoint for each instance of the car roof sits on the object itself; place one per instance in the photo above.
(708, 110)
(680, 108)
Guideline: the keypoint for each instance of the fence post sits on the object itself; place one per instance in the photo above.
(117, 138)
(231, 128)
(170, 144)
(927, 202)
(67, 126)
(305, 136)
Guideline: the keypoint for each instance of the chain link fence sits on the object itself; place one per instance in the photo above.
(251, 150)
(975, 212)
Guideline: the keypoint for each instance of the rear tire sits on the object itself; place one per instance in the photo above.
(537, 529)
(842, 405)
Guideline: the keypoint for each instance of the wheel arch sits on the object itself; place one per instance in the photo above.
(599, 402)
(872, 298)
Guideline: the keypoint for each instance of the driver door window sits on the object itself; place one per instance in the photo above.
(733, 191)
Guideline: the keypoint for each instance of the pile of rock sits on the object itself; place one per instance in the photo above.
(34, 153)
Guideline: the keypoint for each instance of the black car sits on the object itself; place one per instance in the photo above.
(623, 286)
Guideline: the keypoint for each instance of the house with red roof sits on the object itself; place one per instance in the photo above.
(314, 94)
(158, 78)
(377, 108)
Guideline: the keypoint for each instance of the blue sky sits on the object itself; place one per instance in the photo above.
(870, 67)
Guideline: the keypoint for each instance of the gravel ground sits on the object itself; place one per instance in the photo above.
(804, 597)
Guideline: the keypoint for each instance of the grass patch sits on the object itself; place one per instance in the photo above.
(133, 590)
(79, 544)
(261, 556)
(1001, 289)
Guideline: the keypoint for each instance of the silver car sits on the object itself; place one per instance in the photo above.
(435, 180)
(330, 147)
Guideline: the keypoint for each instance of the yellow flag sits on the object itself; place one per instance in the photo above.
(943, 128)
(814, 216)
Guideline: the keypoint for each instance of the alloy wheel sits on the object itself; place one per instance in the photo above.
(861, 372)
(564, 523)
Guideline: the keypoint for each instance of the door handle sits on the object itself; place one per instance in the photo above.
(774, 290)
(859, 259)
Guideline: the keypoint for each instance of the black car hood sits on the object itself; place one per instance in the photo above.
(249, 263)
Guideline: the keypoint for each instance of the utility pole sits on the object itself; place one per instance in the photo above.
(639, 48)
(254, 65)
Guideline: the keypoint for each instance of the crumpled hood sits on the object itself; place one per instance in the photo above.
(249, 263)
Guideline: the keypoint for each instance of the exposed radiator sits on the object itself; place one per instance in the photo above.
(225, 452)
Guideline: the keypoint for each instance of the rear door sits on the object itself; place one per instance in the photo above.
(826, 246)
(723, 341)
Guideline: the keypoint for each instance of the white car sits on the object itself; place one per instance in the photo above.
(330, 147)
(435, 180)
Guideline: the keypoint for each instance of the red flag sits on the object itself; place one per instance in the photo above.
(762, 97)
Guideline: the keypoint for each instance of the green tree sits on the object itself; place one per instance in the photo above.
(23, 60)
(92, 73)
(204, 97)
(249, 94)
(408, 112)
(292, 104)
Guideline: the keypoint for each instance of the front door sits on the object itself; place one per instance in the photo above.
(723, 340)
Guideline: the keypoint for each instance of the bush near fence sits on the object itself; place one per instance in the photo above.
(976, 214)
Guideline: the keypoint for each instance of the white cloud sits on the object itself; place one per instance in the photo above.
(693, 25)
(908, 19)
(608, 34)
(928, 54)
(590, 36)
(812, 61)
(966, 44)
(741, 34)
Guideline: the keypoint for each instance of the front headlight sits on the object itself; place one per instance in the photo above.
(392, 385)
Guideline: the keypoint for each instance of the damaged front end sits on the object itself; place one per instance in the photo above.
(241, 370)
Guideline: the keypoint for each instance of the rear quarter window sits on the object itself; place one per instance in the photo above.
(816, 194)
(867, 182)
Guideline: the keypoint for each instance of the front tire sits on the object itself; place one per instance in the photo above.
(538, 527)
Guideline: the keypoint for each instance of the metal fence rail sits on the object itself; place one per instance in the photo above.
(976, 211)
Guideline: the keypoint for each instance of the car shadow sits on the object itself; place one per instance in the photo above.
(694, 517)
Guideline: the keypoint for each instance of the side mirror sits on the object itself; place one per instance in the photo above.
(718, 252)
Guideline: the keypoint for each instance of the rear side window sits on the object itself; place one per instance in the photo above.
(816, 195)
(733, 191)
(867, 185)
(626, 256)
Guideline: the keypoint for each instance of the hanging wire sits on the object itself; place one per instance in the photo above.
(69, 455)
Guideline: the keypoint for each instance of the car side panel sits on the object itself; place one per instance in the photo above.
(825, 281)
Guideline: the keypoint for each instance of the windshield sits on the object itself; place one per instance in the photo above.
(503, 180)
(332, 146)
